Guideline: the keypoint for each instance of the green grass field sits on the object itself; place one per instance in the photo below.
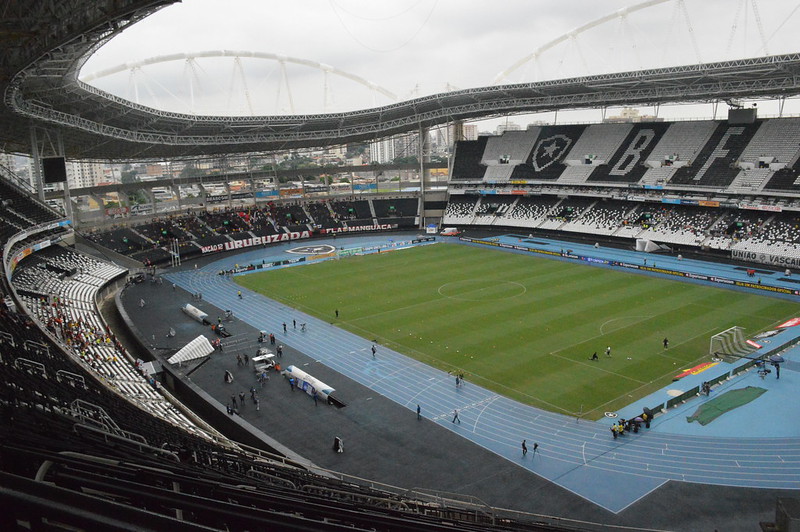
(522, 326)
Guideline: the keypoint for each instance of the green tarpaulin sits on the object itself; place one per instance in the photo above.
(708, 412)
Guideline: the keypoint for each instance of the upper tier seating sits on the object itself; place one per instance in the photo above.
(24, 205)
(658, 176)
(509, 149)
(682, 141)
(716, 164)
(777, 139)
(627, 164)
(547, 159)
(749, 181)
(467, 164)
(599, 141)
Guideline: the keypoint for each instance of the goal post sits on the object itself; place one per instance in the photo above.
(730, 345)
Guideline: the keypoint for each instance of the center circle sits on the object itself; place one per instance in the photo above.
(481, 290)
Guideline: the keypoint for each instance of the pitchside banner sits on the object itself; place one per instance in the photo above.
(664, 271)
(358, 228)
(256, 241)
(765, 258)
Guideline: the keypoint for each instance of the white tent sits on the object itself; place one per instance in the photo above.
(649, 246)
(197, 348)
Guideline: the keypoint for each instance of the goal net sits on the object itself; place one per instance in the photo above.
(730, 345)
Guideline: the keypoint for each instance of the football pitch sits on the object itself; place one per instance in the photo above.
(523, 326)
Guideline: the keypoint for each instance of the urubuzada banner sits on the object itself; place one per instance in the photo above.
(256, 241)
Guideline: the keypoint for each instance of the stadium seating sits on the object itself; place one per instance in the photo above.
(547, 160)
(468, 156)
(530, 211)
(701, 165)
(597, 143)
(750, 180)
(322, 215)
(716, 165)
(400, 211)
(226, 222)
(21, 204)
(627, 164)
(567, 210)
(777, 140)
(69, 436)
(681, 224)
(682, 142)
(491, 209)
(603, 218)
(350, 212)
(460, 210)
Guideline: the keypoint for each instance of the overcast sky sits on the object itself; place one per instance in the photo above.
(418, 47)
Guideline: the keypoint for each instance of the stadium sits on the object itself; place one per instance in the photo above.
(586, 325)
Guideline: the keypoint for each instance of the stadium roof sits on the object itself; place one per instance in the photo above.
(46, 43)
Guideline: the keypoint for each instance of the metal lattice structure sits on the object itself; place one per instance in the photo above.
(48, 42)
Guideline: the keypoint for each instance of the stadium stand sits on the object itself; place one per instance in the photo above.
(289, 214)
(603, 218)
(467, 164)
(777, 141)
(123, 240)
(400, 211)
(576, 174)
(492, 208)
(460, 210)
(780, 234)
(682, 142)
(17, 206)
(506, 151)
(511, 148)
(530, 211)
(597, 143)
(718, 177)
(547, 160)
(352, 212)
(628, 163)
(568, 210)
(750, 180)
(716, 165)
(322, 215)
(227, 222)
(681, 224)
